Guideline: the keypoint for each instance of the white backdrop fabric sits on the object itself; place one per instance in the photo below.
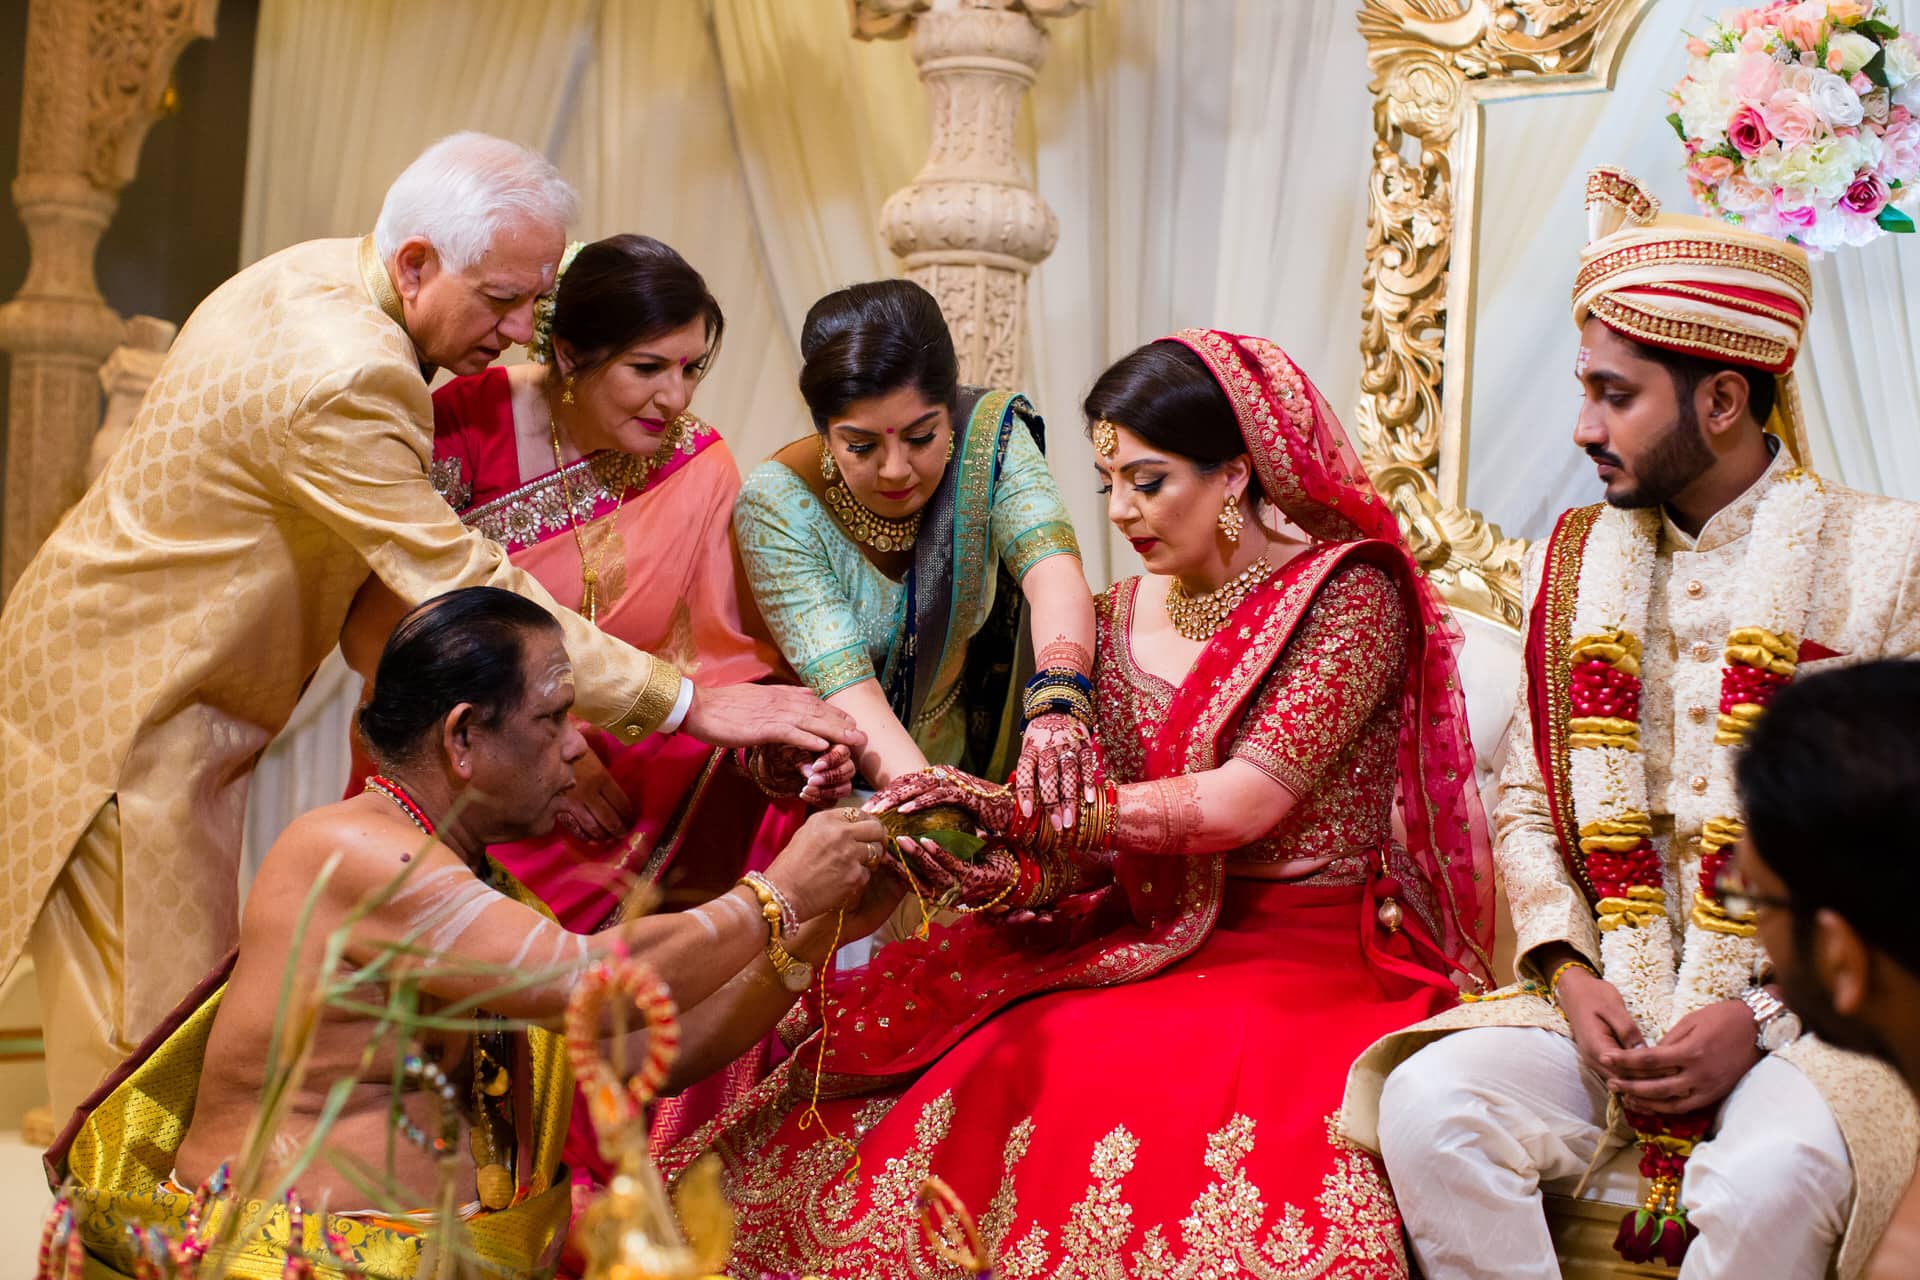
(1207, 160)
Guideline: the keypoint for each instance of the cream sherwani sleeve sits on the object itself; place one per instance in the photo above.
(356, 454)
(1547, 905)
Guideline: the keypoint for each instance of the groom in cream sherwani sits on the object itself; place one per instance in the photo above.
(162, 635)
(1715, 551)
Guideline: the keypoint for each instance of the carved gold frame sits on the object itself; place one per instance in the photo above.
(1435, 63)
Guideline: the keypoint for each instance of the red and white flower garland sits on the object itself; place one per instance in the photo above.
(1608, 780)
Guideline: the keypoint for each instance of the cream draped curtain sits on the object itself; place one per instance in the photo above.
(1207, 160)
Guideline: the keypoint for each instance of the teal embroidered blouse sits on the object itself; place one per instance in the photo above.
(837, 618)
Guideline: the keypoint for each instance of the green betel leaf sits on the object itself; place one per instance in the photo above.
(1678, 128)
(963, 845)
(1894, 220)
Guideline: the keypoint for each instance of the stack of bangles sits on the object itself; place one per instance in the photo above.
(1056, 863)
(1059, 691)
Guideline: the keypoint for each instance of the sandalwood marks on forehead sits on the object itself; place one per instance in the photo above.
(556, 677)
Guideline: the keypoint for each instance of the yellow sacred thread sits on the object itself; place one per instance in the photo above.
(812, 1115)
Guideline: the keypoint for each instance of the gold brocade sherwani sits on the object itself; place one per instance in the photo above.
(1866, 605)
(163, 634)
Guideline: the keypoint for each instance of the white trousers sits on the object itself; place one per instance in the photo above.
(1474, 1123)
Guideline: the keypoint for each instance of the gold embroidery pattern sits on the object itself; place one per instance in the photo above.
(1038, 543)
(597, 483)
(800, 1213)
(1697, 253)
(444, 475)
(1562, 572)
(1649, 323)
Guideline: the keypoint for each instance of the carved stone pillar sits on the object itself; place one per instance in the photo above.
(971, 227)
(95, 78)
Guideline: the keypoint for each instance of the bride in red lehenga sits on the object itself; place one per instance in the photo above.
(1128, 1059)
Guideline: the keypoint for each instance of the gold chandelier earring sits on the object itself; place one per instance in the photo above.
(828, 471)
(566, 390)
(1231, 520)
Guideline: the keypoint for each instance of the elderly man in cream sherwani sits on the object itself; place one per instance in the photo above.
(1660, 623)
(162, 635)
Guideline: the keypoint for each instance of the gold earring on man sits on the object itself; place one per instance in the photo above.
(828, 471)
(1230, 518)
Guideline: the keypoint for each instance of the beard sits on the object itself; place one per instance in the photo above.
(1805, 996)
(1679, 457)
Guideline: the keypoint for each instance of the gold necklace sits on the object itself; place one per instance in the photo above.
(876, 531)
(617, 472)
(1199, 617)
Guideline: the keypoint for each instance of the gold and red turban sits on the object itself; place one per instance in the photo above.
(1696, 286)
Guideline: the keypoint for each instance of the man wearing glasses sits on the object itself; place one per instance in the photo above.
(1830, 783)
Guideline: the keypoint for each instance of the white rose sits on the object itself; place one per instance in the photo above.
(1700, 115)
(1903, 61)
(1764, 165)
(1908, 96)
(1856, 50)
(1830, 166)
(1835, 100)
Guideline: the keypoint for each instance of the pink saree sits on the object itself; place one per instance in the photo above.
(668, 583)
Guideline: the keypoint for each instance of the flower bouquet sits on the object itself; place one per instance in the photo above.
(1801, 120)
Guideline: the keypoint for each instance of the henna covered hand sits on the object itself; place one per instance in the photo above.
(1059, 766)
(973, 884)
(991, 804)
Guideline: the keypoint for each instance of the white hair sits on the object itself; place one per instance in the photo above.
(463, 190)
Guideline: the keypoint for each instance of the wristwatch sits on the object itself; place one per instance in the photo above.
(795, 974)
(1775, 1025)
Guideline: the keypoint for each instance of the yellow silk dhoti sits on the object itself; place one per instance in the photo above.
(119, 1163)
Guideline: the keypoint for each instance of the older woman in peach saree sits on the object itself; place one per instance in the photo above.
(588, 470)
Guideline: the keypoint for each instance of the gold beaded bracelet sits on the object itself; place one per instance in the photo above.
(1553, 980)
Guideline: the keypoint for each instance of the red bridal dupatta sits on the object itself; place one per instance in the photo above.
(1143, 1083)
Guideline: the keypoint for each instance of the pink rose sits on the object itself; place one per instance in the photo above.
(1846, 12)
(1757, 79)
(1788, 116)
(1798, 219)
(1740, 194)
(1747, 131)
(1698, 48)
(1711, 170)
(1900, 152)
(1867, 196)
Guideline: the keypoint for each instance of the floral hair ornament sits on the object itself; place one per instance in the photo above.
(540, 345)
(1106, 441)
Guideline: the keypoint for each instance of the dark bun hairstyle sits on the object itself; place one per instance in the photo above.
(464, 646)
(1163, 393)
(870, 340)
(624, 290)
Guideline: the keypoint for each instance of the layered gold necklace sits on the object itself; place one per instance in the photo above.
(875, 531)
(1199, 617)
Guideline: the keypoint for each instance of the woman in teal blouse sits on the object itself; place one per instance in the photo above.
(894, 551)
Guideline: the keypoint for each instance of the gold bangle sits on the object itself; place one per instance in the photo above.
(1553, 980)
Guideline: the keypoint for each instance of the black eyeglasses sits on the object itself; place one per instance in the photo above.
(1739, 898)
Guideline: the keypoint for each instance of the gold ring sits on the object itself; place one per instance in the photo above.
(852, 815)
